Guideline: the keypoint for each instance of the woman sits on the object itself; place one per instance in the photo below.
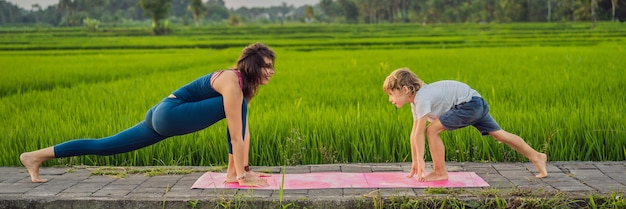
(193, 107)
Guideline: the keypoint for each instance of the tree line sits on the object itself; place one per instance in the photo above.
(188, 12)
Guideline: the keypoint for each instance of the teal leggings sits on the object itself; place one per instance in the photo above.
(171, 117)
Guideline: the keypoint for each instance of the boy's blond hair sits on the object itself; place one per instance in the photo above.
(400, 78)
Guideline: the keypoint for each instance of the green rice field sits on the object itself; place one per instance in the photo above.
(559, 86)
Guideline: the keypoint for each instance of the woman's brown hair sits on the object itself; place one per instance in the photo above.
(250, 64)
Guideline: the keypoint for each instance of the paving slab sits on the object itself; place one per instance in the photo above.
(77, 187)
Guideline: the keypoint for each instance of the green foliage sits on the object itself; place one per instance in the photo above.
(91, 24)
(216, 11)
(197, 9)
(123, 172)
(234, 20)
(350, 11)
(193, 203)
(113, 13)
(293, 148)
(157, 10)
(613, 200)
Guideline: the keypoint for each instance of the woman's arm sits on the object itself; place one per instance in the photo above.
(247, 153)
(246, 142)
(227, 84)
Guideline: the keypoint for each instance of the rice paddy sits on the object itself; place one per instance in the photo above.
(559, 86)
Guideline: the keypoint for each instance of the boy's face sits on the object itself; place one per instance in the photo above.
(399, 97)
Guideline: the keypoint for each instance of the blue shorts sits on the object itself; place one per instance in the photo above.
(474, 113)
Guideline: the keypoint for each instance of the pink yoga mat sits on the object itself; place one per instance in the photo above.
(330, 180)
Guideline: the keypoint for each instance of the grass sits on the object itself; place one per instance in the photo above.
(453, 199)
(123, 172)
(557, 86)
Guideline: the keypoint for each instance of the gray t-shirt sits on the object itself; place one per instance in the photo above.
(437, 98)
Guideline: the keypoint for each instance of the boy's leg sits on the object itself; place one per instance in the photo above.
(519, 145)
(487, 125)
(437, 152)
(460, 116)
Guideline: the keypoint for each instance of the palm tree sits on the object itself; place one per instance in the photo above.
(67, 7)
(197, 9)
(157, 10)
(309, 13)
(37, 8)
(594, 7)
(613, 5)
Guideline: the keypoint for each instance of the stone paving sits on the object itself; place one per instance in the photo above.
(77, 187)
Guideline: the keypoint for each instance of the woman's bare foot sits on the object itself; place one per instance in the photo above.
(436, 176)
(258, 174)
(540, 164)
(252, 181)
(233, 178)
(32, 165)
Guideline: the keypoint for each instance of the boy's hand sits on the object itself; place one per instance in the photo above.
(417, 168)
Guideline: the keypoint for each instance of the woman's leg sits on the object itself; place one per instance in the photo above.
(130, 139)
(176, 118)
(173, 117)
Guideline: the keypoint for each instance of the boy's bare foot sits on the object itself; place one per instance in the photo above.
(436, 176)
(32, 165)
(540, 164)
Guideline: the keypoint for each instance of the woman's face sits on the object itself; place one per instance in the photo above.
(267, 70)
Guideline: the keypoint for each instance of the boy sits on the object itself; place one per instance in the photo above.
(447, 105)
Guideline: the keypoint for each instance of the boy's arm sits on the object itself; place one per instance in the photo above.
(418, 138)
